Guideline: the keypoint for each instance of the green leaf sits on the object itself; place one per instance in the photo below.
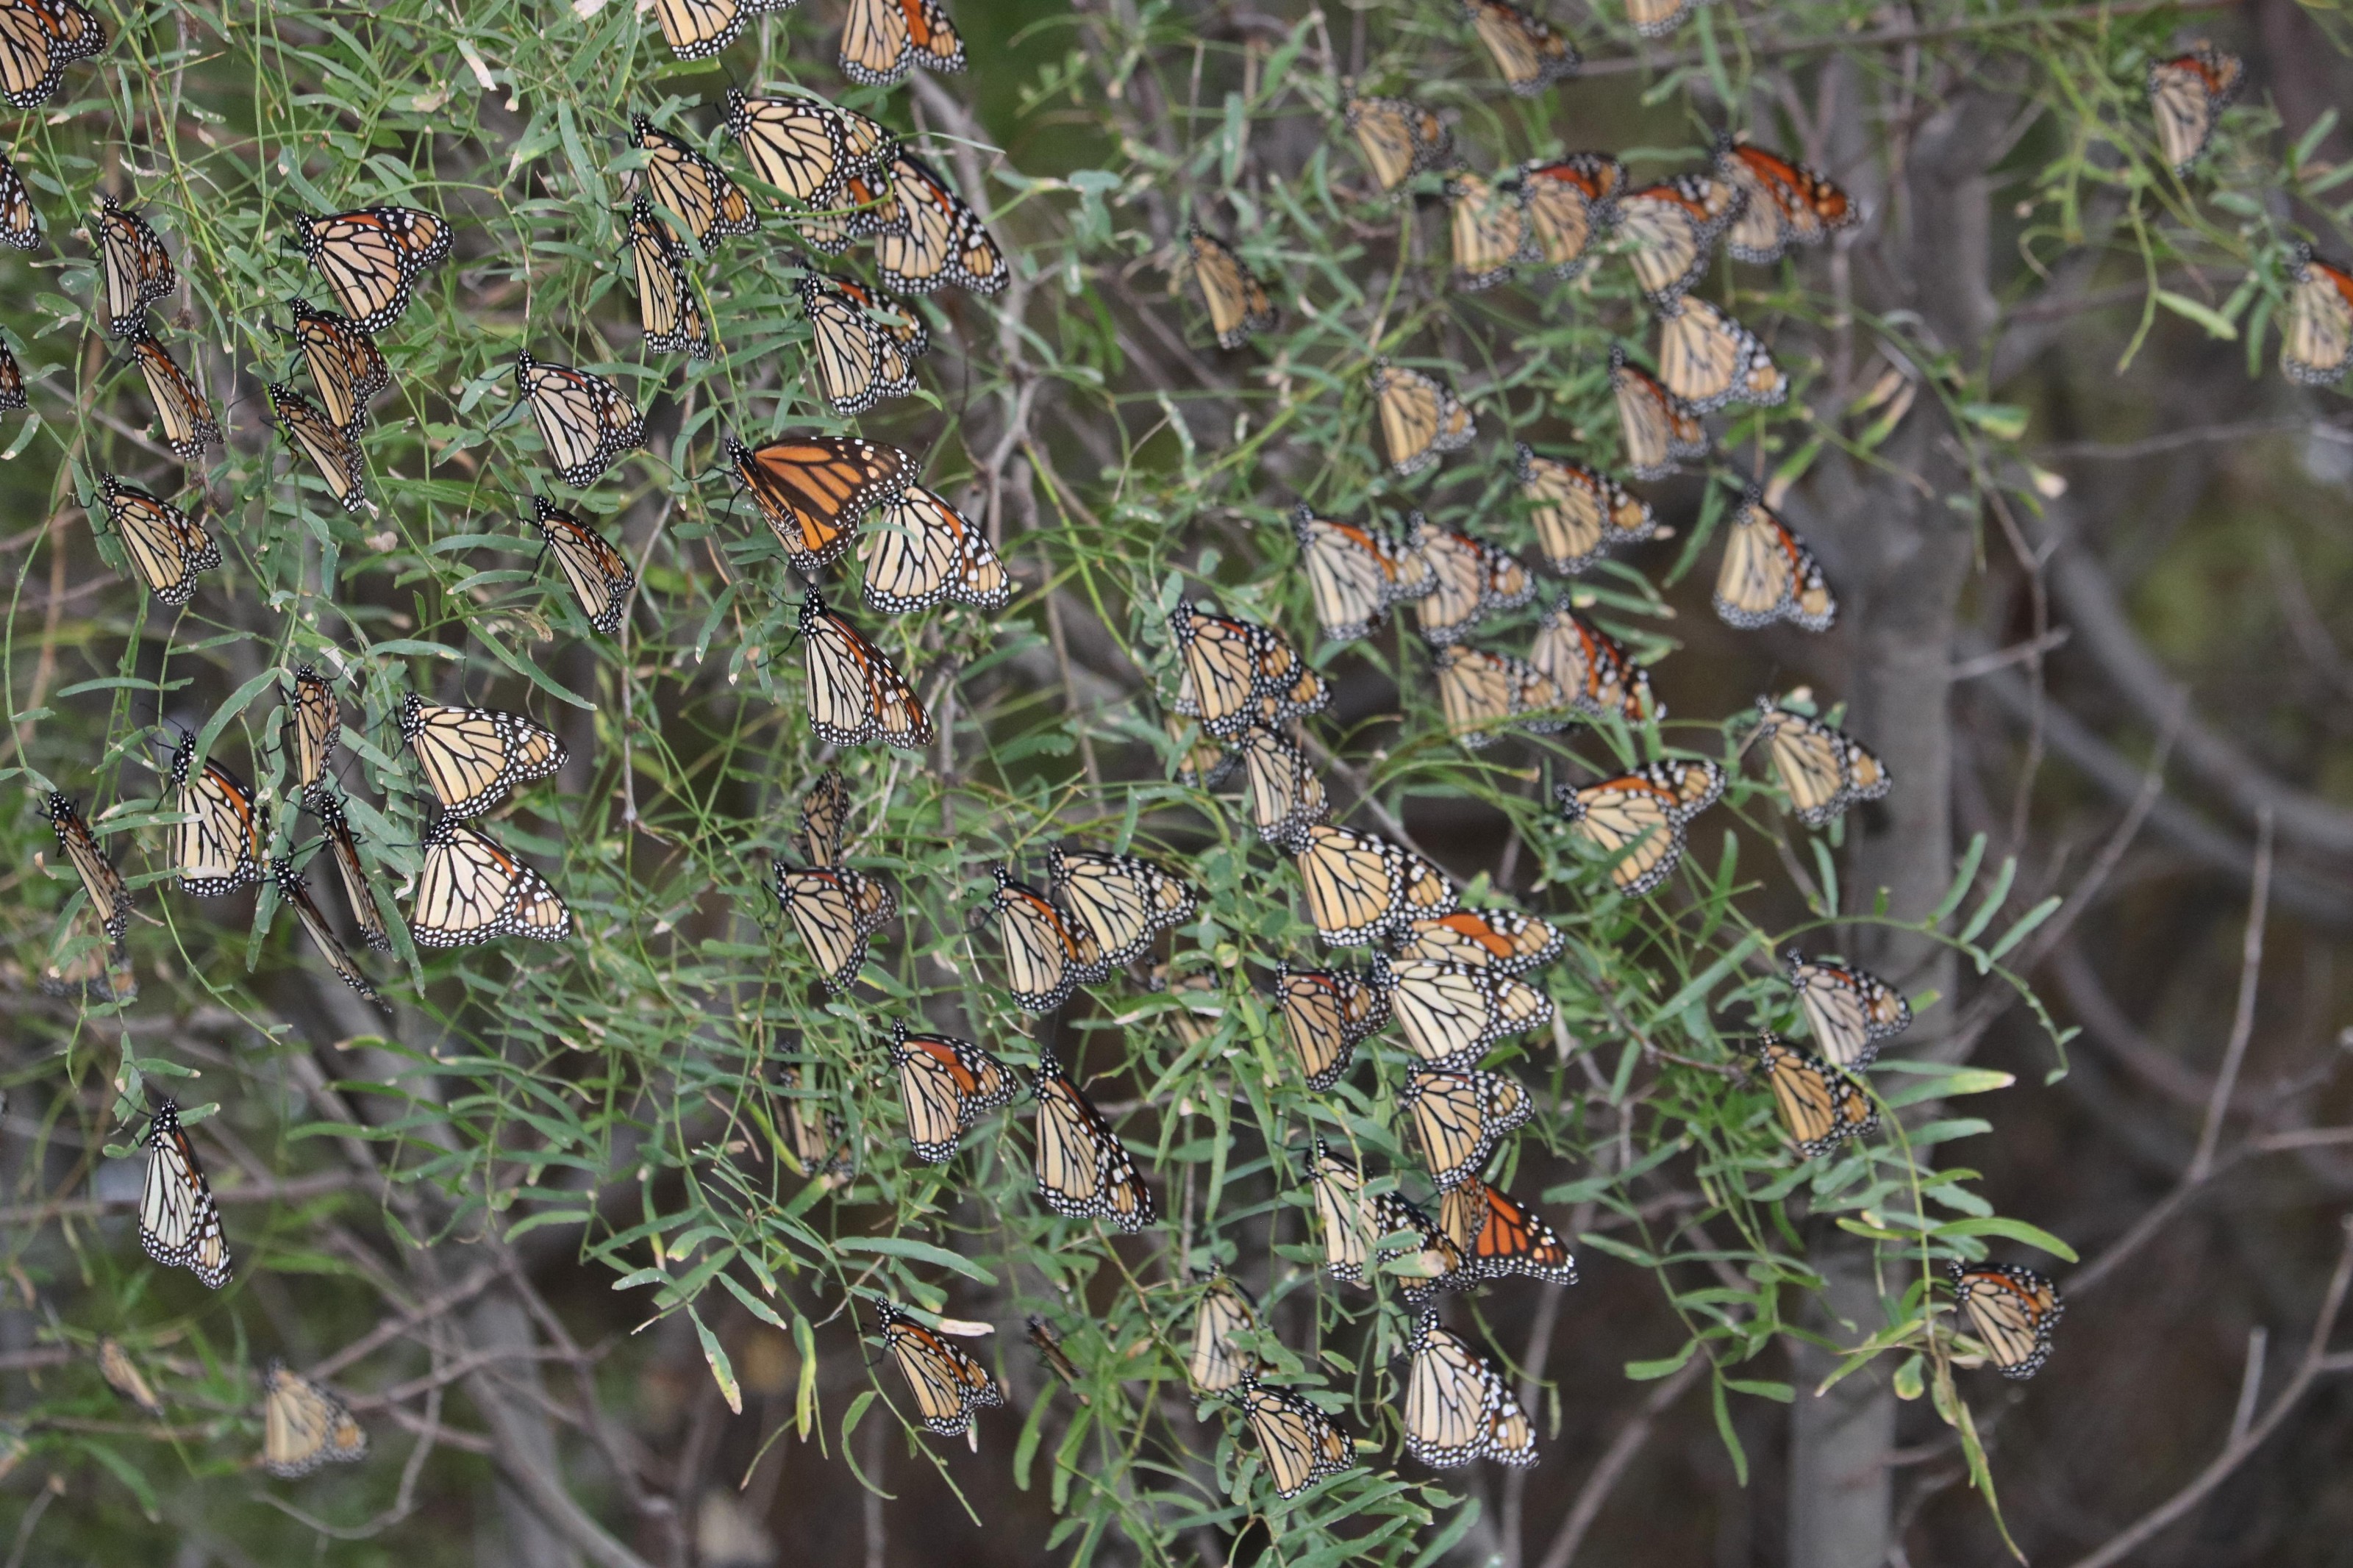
(1651, 1371)
(2013, 1229)
(2217, 324)
(723, 1372)
(921, 1251)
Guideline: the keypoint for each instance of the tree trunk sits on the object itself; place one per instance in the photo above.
(1900, 557)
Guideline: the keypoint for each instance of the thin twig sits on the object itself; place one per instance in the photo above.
(1620, 1453)
(2243, 1022)
(2316, 1360)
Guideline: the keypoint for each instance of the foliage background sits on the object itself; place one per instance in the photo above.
(539, 1126)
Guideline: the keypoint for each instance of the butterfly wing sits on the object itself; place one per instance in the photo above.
(182, 413)
(471, 890)
(584, 420)
(855, 695)
(1236, 300)
(353, 872)
(599, 577)
(668, 312)
(1124, 900)
(1082, 1170)
(330, 450)
(345, 365)
(179, 1223)
(371, 258)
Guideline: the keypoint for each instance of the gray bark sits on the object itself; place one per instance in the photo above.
(1901, 557)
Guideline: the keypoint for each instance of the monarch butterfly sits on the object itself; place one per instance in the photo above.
(864, 349)
(1783, 202)
(179, 1223)
(347, 851)
(292, 889)
(836, 910)
(856, 695)
(2317, 346)
(1356, 574)
(1398, 138)
(600, 578)
(1421, 419)
(1670, 227)
(689, 185)
(1123, 899)
(1481, 693)
(1047, 953)
(216, 849)
(1824, 769)
(668, 312)
(370, 258)
(1236, 300)
(586, 420)
(1504, 941)
(825, 818)
(819, 1140)
(1708, 359)
(943, 243)
(1453, 1014)
(166, 546)
(38, 38)
(471, 890)
(948, 1384)
(813, 490)
(473, 756)
(330, 447)
(303, 1426)
(1473, 581)
(1820, 1106)
(1237, 672)
(1200, 1002)
(1299, 1443)
(2188, 93)
(883, 40)
(1084, 1170)
(1457, 1406)
(1638, 820)
(122, 1374)
(314, 726)
(346, 366)
(1594, 670)
(1354, 1227)
(1459, 1118)
(1849, 1011)
(11, 380)
(698, 29)
(868, 207)
(808, 150)
(1326, 1014)
(1580, 515)
(1769, 574)
(1286, 796)
(1361, 888)
(1489, 230)
(1657, 18)
(924, 551)
(109, 894)
(20, 221)
(2011, 1311)
(1218, 1361)
(1531, 55)
(946, 1085)
(1660, 429)
(1049, 1345)
(1497, 1235)
(134, 266)
(182, 413)
(1568, 202)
